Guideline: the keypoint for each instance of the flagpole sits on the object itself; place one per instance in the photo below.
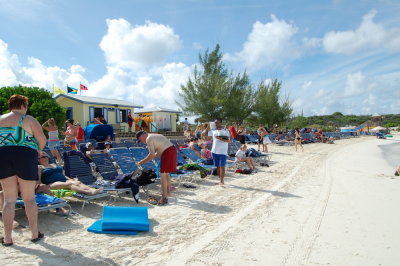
(80, 91)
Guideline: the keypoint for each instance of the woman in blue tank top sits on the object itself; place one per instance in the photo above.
(21, 138)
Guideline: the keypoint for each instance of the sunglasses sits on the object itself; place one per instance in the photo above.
(43, 157)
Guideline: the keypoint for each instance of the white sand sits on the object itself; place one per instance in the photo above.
(331, 205)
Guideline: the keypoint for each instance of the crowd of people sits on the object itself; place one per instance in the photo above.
(27, 169)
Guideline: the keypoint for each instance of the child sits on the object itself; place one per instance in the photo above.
(107, 146)
(241, 157)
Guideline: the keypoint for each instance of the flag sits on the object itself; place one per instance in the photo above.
(72, 90)
(83, 87)
(57, 90)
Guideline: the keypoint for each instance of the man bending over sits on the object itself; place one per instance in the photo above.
(160, 146)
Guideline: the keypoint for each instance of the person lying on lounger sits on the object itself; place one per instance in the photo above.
(52, 175)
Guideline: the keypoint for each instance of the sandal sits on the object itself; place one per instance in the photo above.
(4, 243)
(40, 236)
(152, 201)
(162, 202)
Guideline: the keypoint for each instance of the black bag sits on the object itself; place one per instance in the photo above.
(147, 176)
(246, 171)
(126, 181)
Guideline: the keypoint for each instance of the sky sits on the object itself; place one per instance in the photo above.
(330, 55)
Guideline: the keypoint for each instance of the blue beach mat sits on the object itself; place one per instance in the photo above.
(97, 227)
(122, 220)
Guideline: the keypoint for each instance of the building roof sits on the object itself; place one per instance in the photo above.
(98, 100)
(157, 109)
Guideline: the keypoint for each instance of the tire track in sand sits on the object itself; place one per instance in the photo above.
(181, 257)
(300, 249)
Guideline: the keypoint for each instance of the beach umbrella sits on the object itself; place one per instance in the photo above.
(377, 129)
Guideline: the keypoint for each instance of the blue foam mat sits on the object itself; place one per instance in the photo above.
(97, 227)
(125, 218)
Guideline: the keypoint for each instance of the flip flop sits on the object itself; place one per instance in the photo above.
(35, 240)
(5, 244)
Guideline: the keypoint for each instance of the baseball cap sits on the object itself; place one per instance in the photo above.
(139, 134)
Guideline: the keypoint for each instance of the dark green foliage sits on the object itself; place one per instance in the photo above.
(213, 93)
(267, 109)
(337, 119)
(42, 106)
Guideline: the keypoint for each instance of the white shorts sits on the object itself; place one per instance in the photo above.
(266, 140)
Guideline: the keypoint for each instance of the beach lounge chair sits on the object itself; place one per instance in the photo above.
(189, 153)
(75, 166)
(128, 165)
(46, 203)
(123, 157)
(139, 154)
(48, 152)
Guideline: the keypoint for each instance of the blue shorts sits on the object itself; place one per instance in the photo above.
(219, 160)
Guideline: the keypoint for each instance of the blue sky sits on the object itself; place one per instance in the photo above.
(330, 55)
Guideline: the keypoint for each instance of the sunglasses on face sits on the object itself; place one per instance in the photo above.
(43, 157)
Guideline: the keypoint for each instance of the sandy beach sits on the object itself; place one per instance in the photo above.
(333, 204)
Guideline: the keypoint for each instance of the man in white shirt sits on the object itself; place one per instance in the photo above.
(220, 138)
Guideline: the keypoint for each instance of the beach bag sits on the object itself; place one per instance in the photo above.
(147, 177)
(246, 171)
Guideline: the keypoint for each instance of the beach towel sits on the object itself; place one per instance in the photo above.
(121, 220)
(41, 200)
(126, 181)
(194, 166)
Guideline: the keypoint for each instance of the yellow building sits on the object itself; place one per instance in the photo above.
(84, 109)
(161, 119)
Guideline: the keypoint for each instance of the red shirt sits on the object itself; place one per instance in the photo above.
(81, 134)
(232, 129)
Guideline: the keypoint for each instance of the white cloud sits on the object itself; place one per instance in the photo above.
(269, 43)
(13, 73)
(306, 85)
(357, 83)
(125, 46)
(367, 36)
(157, 86)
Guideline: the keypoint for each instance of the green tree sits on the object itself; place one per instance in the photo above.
(240, 101)
(42, 106)
(213, 93)
(298, 122)
(267, 107)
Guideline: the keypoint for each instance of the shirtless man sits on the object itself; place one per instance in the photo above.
(160, 146)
